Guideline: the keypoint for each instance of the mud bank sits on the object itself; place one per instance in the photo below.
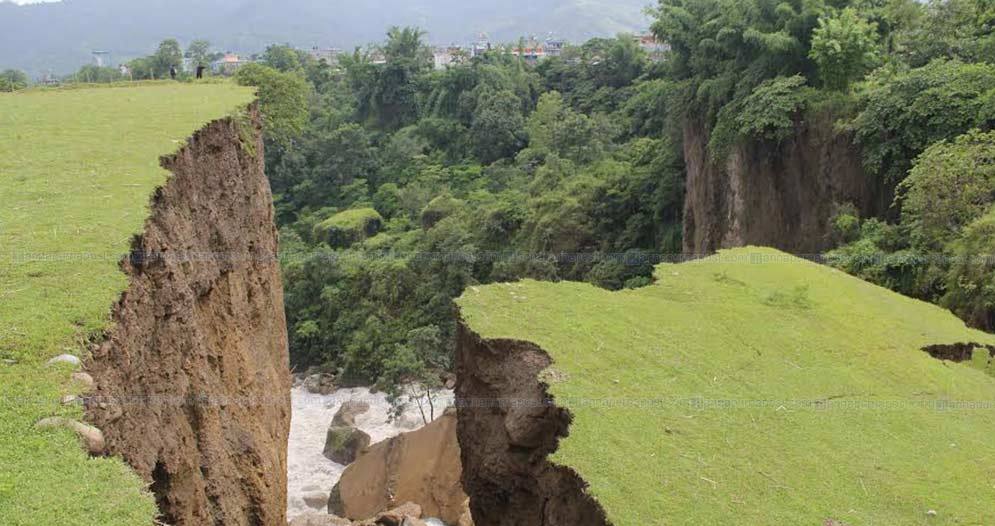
(508, 425)
(192, 381)
(778, 195)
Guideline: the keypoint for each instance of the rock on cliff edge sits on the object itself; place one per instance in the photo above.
(192, 381)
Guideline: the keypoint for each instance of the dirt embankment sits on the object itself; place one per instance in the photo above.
(193, 388)
(957, 352)
(782, 196)
(507, 428)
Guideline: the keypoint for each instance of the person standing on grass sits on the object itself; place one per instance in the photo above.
(200, 71)
(172, 72)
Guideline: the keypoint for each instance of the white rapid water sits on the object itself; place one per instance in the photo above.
(307, 469)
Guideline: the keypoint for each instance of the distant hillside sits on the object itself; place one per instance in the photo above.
(59, 37)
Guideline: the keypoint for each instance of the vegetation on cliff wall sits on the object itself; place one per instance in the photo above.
(936, 251)
(753, 387)
(77, 168)
(901, 77)
(726, 51)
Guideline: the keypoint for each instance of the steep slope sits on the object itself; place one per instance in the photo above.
(60, 36)
(193, 378)
(173, 360)
(780, 195)
(747, 388)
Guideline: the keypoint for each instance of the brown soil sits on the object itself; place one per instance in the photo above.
(192, 381)
(508, 426)
(782, 196)
(957, 352)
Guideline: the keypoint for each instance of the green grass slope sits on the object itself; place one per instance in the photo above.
(77, 168)
(754, 388)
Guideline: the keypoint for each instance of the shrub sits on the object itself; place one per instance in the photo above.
(902, 116)
(768, 113)
(13, 80)
(438, 209)
(951, 185)
(970, 283)
(283, 99)
(348, 227)
(844, 46)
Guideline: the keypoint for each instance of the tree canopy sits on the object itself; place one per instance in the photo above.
(13, 80)
(493, 169)
(474, 173)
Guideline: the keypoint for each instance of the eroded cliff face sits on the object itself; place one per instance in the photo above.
(780, 196)
(507, 427)
(192, 381)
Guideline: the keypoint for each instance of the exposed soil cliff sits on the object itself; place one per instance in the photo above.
(781, 196)
(192, 381)
(507, 427)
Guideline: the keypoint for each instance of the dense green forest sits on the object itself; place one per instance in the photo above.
(403, 185)
(398, 186)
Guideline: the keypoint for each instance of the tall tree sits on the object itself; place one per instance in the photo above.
(167, 56)
(282, 57)
(406, 44)
(283, 100)
(13, 80)
(386, 92)
(498, 127)
(844, 46)
(199, 53)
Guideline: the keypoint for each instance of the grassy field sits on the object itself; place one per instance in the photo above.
(77, 168)
(755, 388)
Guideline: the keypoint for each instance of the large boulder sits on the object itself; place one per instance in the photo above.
(316, 500)
(405, 514)
(320, 384)
(347, 413)
(422, 467)
(343, 444)
(438, 209)
(335, 504)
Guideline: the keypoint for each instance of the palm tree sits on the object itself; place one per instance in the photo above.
(406, 44)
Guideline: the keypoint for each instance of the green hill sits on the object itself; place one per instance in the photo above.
(77, 168)
(755, 388)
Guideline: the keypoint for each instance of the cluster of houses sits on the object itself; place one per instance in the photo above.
(532, 50)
